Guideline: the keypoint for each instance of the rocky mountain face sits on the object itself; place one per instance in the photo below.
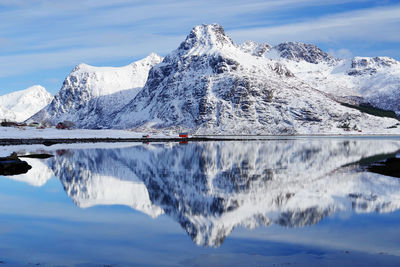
(90, 94)
(254, 48)
(211, 188)
(19, 106)
(209, 85)
(301, 52)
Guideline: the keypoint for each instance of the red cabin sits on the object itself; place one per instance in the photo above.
(184, 135)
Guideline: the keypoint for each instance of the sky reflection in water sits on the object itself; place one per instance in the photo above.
(303, 202)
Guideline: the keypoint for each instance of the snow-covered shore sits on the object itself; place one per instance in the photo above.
(52, 133)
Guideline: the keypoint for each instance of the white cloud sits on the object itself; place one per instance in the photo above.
(16, 64)
(45, 34)
(378, 24)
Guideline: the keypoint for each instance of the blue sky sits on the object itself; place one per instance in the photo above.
(42, 40)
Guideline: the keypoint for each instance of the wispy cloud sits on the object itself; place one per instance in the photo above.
(43, 34)
(376, 24)
(15, 64)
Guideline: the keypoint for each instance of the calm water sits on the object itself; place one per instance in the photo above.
(302, 202)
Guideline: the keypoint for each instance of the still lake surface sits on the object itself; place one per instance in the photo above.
(292, 202)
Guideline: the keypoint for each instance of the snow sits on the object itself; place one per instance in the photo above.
(101, 81)
(20, 105)
(52, 133)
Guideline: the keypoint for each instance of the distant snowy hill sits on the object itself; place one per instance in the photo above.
(209, 85)
(90, 94)
(19, 106)
(361, 80)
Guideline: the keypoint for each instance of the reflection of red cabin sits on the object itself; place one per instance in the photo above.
(184, 135)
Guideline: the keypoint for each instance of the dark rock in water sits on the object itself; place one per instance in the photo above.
(389, 167)
(12, 165)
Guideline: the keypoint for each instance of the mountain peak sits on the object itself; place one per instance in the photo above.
(90, 93)
(206, 36)
(300, 51)
(152, 59)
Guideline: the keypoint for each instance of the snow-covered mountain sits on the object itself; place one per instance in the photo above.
(211, 188)
(359, 80)
(90, 94)
(211, 85)
(20, 105)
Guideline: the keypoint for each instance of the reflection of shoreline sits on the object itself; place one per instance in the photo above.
(37, 176)
(167, 138)
(210, 188)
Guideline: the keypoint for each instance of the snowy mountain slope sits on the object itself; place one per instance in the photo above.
(90, 94)
(211, 188)
(19, 106)
(375, 81)
(210, 85)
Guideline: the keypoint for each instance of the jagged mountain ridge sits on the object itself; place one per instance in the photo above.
(362, 80)
(90, 94)
(209, 85)
(297, 51)
(211, 188)
(20, 105)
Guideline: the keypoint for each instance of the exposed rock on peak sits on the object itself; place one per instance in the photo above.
(206, 37)
(254, 48)
(368, 65)
(299, 51)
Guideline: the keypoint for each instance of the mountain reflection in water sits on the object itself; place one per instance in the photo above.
(211, 188)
